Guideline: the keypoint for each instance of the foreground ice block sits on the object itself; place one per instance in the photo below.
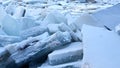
(109, 17)
(68, 54)
(101, 48)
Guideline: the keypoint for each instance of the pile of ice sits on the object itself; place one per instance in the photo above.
(48, 34)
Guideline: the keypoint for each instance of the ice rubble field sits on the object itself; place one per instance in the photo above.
(59, 34)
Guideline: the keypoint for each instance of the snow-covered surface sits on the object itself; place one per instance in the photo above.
(101, 47)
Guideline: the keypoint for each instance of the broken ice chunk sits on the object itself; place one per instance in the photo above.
(34, 31)
(86, 19)
(27, 23)
(2, 32)
(54, 17)
(4, 39)
(64, 37)
(34, 1)
(11, 26)
(79, 34)
(63, 27)
(24, 44)
(10, 9)
(70, 21)
(52, 28)
(12, 48)
(83, 1)
(2, 13)
(2, 52)
(71, 53)
(69, 18)
(38, 53)
(19, 12)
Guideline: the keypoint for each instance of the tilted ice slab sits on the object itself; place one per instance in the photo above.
(101, 48)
